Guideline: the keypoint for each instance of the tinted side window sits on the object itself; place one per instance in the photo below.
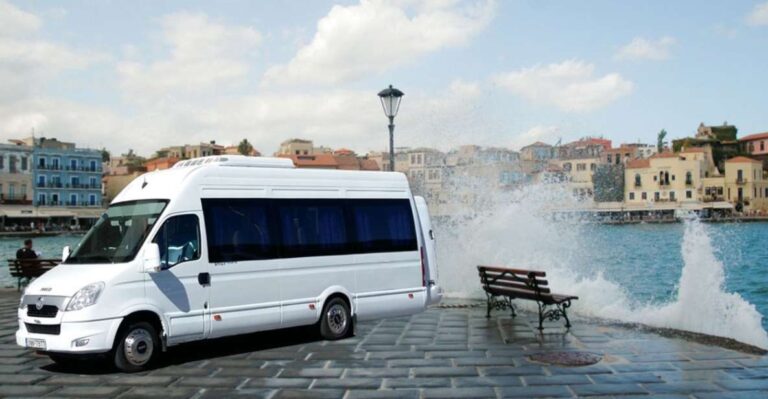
(313, 227)
(383, 225)
(179, 240)
(238, 229)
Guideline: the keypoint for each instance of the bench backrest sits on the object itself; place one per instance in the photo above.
(31, 267)
(521, 283)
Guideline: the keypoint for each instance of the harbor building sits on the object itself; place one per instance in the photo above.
(756, 145)
(15, 174)
(746, 185)
(669, 178)
(64, 175)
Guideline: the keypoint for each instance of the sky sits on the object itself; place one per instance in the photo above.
(144, 74)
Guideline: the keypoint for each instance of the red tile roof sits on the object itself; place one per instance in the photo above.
(639, 164)
(743, 160)
(694, 149)
(756, 136)
(327, 161)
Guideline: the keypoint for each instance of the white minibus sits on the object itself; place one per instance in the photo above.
(226, 245)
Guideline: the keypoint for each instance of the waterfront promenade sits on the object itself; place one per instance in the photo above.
(443, 353)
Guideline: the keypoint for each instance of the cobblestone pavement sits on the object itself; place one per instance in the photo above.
(442, 353)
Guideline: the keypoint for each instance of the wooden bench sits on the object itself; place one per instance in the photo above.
(502, 285)
(27, 269)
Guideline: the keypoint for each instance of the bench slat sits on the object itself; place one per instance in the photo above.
(510, 277)
(536, 273)
(517, 286)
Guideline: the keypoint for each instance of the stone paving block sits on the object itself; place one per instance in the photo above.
(420, 363)
(708, 365)
(20, 379)
(383, 394)
(217, 393)
(522, 370)
(141, 380)
(395, 383)
(454, 354)
(743, 385)
(279, 383)
(204, 382)
(733, 395)
(7, 390)
(498, 381)
(597, 369)
(266, 372)
(626, 378)
(717, 355)
(459, 393)
(311, 373)
(758, 373)
(682, 387)
(535, 392)
(635, 367)
(67, 379)
(377, 372)
(444, 371)
(568, 379)
(182, 372)
(694, 375)
(87, 391)
(396, 355)
(348, 383)
(347, 364)
(608, 389)
(12, 368)
(155, 392)
(753, 362)
(309, 394)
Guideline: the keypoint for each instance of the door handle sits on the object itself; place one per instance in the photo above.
(204, 279)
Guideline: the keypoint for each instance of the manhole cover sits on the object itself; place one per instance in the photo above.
(572, 359)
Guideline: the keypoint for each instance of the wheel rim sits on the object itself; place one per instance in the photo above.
(337, 319)
(138, 346)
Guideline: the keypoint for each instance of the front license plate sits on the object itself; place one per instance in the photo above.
(36, 343)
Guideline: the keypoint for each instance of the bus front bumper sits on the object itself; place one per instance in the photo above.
(68, 337)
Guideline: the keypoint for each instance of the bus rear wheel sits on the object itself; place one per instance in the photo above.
(336, 320)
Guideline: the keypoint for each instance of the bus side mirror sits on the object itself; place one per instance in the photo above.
(151, 259)
(65, 253)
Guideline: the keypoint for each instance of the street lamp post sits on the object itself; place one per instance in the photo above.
(390, 101)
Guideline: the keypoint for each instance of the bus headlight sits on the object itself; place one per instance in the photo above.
(87, 296)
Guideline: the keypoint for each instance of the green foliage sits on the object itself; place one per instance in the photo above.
(245, 148)
(660, 140)
(105, 155)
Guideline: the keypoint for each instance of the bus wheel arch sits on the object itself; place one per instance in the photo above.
(336, 319)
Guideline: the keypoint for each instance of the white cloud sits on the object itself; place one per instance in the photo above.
(27, 61)
(569, 85)
(376, 35)
(645, 49)
(759, 15)
(204, 54)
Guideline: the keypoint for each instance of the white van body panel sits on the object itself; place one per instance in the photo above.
(243, 296)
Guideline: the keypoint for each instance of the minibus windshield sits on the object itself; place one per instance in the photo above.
(118, 234)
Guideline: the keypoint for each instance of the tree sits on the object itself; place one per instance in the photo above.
(105, 155)
(245, 148)
(660, 141)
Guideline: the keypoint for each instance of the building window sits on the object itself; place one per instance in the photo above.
(610, 158)
(73, 164)
(655, 178)
(631, 196)
(638, 180)
(656, 196)
(592, 167)
(644, 196)
(41, 162)
(91, 200)
(55, 163)
(93, 166)
(688, 178)
(41, 199)
(766, 191)
(41, 181)
(762, 145)
(23, 190)
(54, 199)
(688, 194)
(673, 177)
(2, 161)
(93, 182)
(739, 176)
(672, 196)
(73, 199)
(75, 181)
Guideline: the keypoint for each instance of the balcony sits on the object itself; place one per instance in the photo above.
(86, 169)
(741, 181)
(69, 186)
(16, 199)
(713, 198)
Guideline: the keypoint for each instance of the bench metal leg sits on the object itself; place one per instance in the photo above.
(554, 314)
(495, 303)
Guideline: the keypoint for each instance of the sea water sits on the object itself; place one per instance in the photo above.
(708, 278)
